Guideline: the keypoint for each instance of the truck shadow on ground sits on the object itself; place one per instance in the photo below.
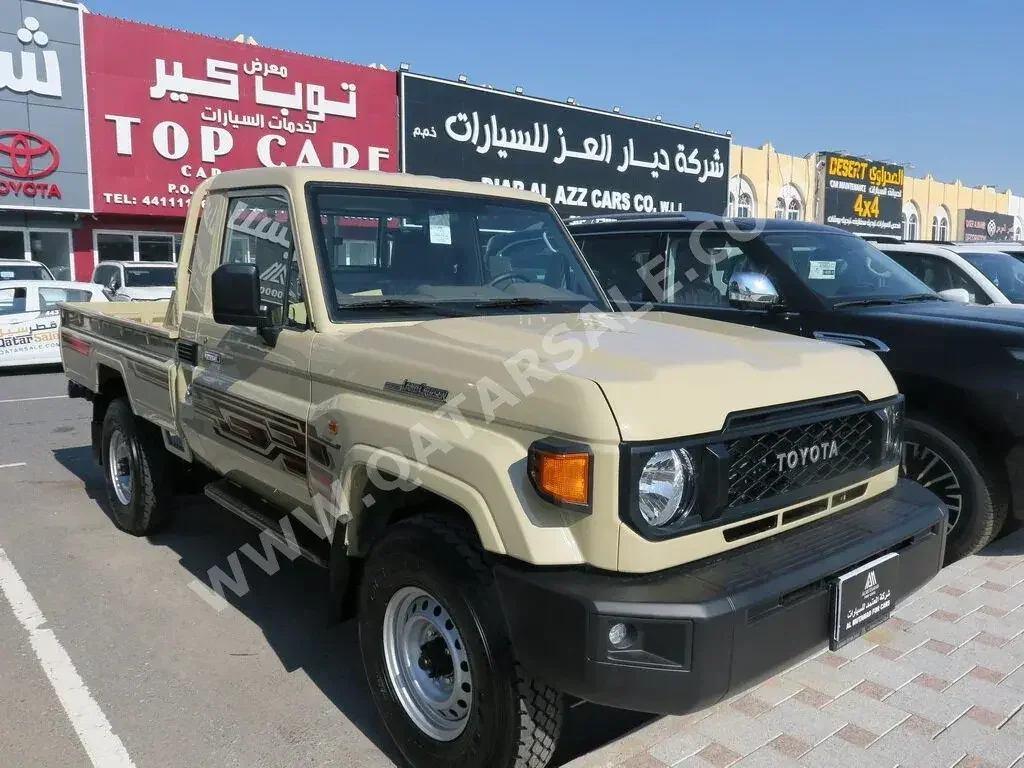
(290, 608)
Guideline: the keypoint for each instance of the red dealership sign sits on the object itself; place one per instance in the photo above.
(168, 109)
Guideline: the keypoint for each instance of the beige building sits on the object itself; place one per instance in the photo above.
(766, 182)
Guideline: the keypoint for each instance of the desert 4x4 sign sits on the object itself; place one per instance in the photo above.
(859, 195)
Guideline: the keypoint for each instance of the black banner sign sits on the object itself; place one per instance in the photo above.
(982, 225)
(584, 161)
(859, 195)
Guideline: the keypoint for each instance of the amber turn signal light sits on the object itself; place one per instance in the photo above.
(560, 473)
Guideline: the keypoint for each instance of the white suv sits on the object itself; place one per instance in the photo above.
(988, 274)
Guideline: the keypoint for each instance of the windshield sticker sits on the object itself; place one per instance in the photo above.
(822, 270)
(440, 229)
(7, 275)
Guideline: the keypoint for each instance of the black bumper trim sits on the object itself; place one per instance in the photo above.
(715, 627)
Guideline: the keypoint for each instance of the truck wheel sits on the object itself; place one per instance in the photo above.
(440, 666)
(947, 463)
(135, 468)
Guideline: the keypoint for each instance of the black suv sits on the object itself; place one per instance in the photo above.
(960, 366)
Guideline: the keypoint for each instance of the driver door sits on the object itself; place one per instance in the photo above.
(250, 398)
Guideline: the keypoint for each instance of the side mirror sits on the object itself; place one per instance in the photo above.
(751, 290)
(960, 295)
(236, 295)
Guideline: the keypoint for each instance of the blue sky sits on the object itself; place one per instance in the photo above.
(936, 85)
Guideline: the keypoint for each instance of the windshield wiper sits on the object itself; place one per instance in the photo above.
(517, 301)
(864, 303)
(921, 297)
(399, 305)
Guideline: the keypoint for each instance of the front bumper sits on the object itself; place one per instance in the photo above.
(715, 627)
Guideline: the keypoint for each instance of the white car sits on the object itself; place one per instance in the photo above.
(136, 280)
(29, 315)
(23, 269)
(989, 275)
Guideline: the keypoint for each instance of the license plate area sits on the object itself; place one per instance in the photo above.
(863, 598)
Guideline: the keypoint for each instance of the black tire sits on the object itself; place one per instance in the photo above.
(149, 507)
(514, 721)
(983, 498)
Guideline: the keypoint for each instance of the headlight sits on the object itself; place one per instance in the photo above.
(892, 432)
(667, 487)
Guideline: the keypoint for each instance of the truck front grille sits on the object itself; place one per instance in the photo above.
(775, 463)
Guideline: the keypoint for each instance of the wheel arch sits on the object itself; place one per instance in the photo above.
(374, 509)
(110, 385)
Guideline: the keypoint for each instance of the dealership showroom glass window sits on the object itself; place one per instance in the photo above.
(137, 246)
(52, 247)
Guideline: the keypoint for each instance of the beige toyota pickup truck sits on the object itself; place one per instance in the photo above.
(523, 496)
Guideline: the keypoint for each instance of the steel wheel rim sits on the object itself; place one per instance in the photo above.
(925, 466)
(427, 663)
(119, 467)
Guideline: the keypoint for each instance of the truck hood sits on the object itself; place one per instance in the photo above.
(662, 374)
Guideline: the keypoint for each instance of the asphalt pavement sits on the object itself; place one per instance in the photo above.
(108, 658)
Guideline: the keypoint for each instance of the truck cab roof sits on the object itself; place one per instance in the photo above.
(298, 177)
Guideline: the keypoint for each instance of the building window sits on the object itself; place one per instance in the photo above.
(1018, 233)
(137, 246)
(732, 206)
(790, 203)
(940, 224)
(51, 247)
(741, 190)
(745, 206)
(911, 221)
(910, 227)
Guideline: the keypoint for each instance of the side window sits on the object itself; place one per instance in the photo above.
(960, 280)
(622, 262)
(933, 271)
(259, 232)
(49, 298)
(704, 266)
(12, 300)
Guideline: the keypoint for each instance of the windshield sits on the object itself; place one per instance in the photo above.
(841, 267)
(148, 277)
(391, 249)
(1005, 272)
(26, 272)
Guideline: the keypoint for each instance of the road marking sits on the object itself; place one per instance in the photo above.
(12, 466)
(31, 399)
(103, 746)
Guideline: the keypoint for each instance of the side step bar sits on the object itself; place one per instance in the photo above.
(231, 497)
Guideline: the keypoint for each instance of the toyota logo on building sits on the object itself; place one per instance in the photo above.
(26, 156)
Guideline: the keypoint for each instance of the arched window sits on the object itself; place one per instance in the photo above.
(910, 232)
(790, 203)
(911, 221)
(940, 224)
(745, 206)
(731, 213)
(742, 190)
